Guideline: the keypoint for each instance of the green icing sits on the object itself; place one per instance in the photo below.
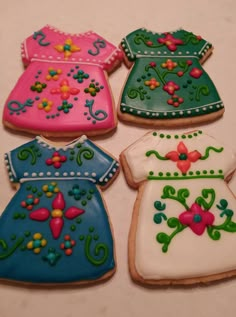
(147, 92)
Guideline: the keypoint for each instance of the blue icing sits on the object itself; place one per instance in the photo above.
(90, 238)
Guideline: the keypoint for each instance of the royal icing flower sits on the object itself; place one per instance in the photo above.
(56, 215)
(65, 107)
(169, 64)
(65, 90)
(152, 83)
(37, 243)
(197, 219)
(52, 257)
(183, 157)
(45, 105)
(93, 89)
(80, 76)
(196, 72)
(170, 41)
(175, 101)
(171, 87)
(56, 160)
(53, 73)
(50, 189)
(38, 86)
(149, 43)
(67, 48)
(67, 245)
(76, 192)
(152, 64)
(30, 202)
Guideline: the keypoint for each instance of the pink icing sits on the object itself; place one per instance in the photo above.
(53, 58)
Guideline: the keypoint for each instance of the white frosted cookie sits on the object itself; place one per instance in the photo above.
(183, 228)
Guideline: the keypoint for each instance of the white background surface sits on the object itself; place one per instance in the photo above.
(216, 22)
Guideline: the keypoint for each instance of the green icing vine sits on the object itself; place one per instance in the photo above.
(137, 92)
(148, 153)
(83, 153)
(32, 152)
(211, 148)
(206, 193)
(182, 194)
(202, 206)
(9, 251)
(99, 248)
(166, 239)
(201, 90)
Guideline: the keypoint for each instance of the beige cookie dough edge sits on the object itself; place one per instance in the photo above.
(170, 123)
(132, 241)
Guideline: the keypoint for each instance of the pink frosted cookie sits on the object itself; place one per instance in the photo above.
(64, 89)
(183, 227)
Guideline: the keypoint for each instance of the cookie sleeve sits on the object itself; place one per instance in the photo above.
(104, 51)
(196, 44)
(137, 163)
(219, 157)
(101, 166)
(35, 45)
(15, 161)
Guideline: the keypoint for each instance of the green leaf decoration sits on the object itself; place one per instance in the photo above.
(165, 239)
(223, 204)
(213, 233)
(227, 212)
(159, 206)
(158, 218)
(182, 194)
(206, 193)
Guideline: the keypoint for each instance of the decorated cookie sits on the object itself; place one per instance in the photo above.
(56, 230)
(183, 228)
(167, 86)
(64, 89)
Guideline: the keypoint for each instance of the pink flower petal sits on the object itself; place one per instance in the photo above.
(58, 202)
(181, 148)
(186, 218)
(173, 156)
(194, 156)
(40, 214)
(73, 212)
(183, 165)
(56, 225)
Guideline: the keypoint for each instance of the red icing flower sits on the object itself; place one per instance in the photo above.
(29, 202)
(153, 64)
(169, 64)
(175, 101)
(183, 157)
(57, 214)
(67, 245)
(171, 87)
(152, 83)
(56, 160)
(149, 43)
(170, 42)
(196, 72)
(65, 90)
(197, 219)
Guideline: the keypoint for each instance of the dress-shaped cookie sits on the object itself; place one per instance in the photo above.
(64, 88)
(56, 229)
(167, 85)
(184, 224)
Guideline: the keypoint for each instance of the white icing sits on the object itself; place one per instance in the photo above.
(188, 253)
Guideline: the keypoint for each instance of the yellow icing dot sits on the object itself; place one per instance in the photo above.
(57, 213)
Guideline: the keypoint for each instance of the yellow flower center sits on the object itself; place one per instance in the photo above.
(57, 213)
